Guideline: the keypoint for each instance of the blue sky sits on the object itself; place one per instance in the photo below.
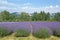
(30, 5)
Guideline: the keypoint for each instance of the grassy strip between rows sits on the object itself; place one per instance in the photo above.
(12, 37)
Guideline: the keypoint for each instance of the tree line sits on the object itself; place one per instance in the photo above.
(6, 16)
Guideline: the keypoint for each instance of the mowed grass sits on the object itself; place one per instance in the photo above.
(12, 37)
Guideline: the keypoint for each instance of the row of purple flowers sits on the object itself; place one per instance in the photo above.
(13, 26)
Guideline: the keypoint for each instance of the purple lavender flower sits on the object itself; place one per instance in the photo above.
(50, 25)
(13, 26)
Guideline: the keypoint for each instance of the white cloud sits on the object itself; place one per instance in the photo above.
(51, 9)
(57, 6)
(32, 9)
(27, 3)
(50, 6)
(27, 7)
(2, 7)
(6, 3)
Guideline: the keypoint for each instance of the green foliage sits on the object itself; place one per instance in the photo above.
(42, 33)
(47, 16)
(3, 32)
(22, 33)
(57, 16)
(39, 16)
(35, 16)
(42, 16)
(24, 16)
(6, 16)
(57, 33)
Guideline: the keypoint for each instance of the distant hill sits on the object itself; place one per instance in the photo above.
(16, 13)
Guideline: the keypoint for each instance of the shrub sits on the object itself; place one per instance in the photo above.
(22, 33)
(3, 32)
(42, 33)
(57, 33)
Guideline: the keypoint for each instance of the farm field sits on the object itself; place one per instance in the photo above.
(32, 29)
(29, 19)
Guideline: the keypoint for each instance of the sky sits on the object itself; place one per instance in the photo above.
(30, 6)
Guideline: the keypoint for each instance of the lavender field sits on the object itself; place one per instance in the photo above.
(50, 25)
(13, 26)
(29, 19)
(32, 28)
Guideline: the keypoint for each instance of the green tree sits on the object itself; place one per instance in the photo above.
(42, 15)
(35, 16)
(47, 17)
(4, 15)
(24, 16)
(12, 17)
(57, 16)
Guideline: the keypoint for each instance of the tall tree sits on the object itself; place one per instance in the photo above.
(35, 16)
(7, 16)
(4, 15)
(42, 16)
(57, 16)
(47, 17)
(24, 16)
(12, 17)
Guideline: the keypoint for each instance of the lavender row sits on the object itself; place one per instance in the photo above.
(13, 26)
(52, 26)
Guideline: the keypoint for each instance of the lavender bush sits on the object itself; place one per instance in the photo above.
(56, 29)
(42, 33)
(22, 33)
(53, 26)
(4, 32)
(13, 26)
